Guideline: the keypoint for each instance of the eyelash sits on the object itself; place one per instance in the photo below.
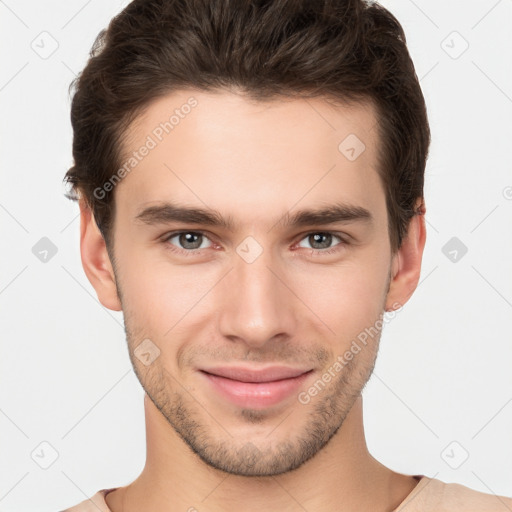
(192, 252)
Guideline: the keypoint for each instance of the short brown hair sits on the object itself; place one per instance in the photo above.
(343, 50)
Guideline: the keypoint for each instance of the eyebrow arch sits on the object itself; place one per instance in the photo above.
(167, 212)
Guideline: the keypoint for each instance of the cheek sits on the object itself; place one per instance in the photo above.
(160, 295)
(166, 299)
(347, 298)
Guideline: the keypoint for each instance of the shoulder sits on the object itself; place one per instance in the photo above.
(433, 495)
(93, 504)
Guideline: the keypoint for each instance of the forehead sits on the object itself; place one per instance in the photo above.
(229, 152)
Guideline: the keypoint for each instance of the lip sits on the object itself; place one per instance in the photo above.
(244, 374)
(255, 388)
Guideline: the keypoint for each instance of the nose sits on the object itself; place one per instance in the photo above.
(258, 304)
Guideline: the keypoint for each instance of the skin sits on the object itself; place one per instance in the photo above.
(293, 305)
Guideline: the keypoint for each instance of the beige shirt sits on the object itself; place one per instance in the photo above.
(430, 495)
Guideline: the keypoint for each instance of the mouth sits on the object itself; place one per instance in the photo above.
(255, 388)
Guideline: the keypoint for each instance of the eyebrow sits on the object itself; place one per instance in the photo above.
(163, 213)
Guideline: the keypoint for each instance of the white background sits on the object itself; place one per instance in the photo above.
(444, 369)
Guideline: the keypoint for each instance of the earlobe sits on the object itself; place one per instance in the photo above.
(96, 261)
(406, 265)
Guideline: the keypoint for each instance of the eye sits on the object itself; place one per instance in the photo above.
(193, 242)
(321, 241)
(187, 241)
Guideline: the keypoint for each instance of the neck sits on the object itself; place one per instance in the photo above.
(343, 476)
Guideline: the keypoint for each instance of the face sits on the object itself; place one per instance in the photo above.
(259, 283)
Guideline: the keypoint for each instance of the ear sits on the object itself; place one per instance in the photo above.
(96, 261)
(406, 263)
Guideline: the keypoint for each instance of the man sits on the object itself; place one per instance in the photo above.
(250, 180)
